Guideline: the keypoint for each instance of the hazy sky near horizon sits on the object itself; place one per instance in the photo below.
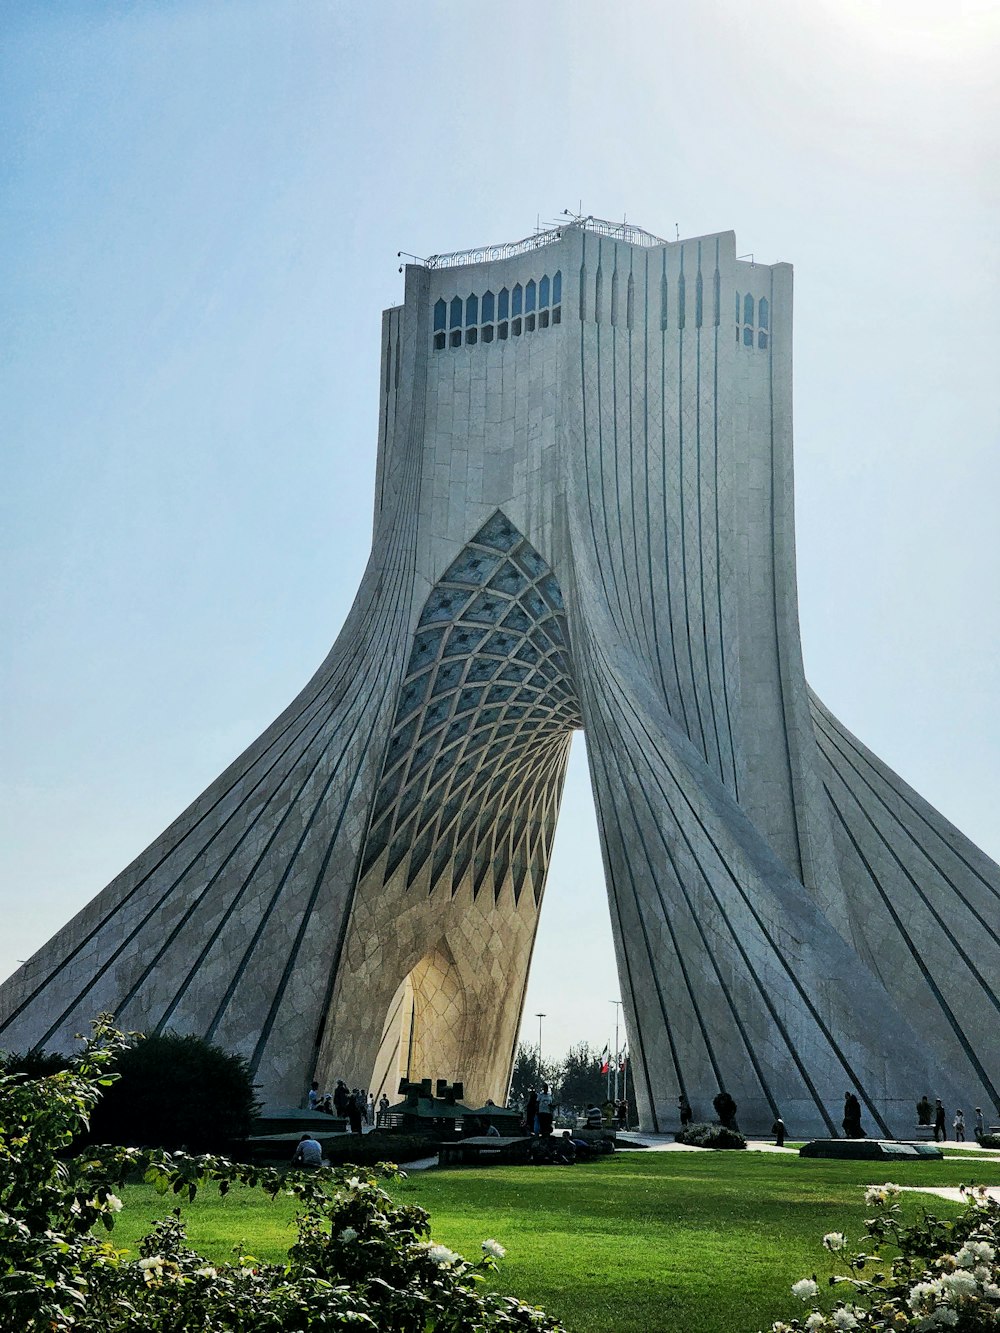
(200, 208)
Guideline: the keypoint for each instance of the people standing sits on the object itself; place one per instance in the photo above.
(531, 1112)
(725, 1109)
(979, 1125)
(383, 1104)
(371, 1108)
(545, 1111)
(684, 1106)
(341, 1097)
(852, 1117)
(958, 1125)
(940, 1133)
(778, 1130)
(354, 1111)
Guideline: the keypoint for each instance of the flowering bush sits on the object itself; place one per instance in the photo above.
(360, 1261)
(946, 1275)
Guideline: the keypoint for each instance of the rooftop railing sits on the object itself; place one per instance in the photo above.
(488, 254)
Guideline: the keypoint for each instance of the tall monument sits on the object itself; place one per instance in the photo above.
(583, 519)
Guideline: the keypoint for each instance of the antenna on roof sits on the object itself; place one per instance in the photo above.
(405, 254)
(677, 231)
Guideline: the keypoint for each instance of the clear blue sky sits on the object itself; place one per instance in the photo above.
(200, 208)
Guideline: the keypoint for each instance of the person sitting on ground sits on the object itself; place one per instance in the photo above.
(308, 1153)
(580, 1146)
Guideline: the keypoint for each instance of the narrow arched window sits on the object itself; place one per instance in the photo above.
(599, 294)
(503, 303)
(557, 287)
(763, 313)
(487, 311)
(717, 299)
(543, 293)
(614, 297)
(630, 302)
(663, 301)
(456, 312)
(747, 335)
(680, 301)
(472, 310)
(440, 313)
(748, 309)
(529, 296)
(699, 294)
(517, 295)
(583, 292)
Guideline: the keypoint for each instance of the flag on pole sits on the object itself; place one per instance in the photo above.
(606, 1060)
(623, 1060)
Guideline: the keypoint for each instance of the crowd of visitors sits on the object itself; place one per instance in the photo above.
(354, 1105)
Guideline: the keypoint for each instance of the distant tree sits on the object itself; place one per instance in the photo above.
(580, 1078)
(528, 1073)
(176, 1092)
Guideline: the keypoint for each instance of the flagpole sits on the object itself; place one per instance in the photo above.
(618, 1005)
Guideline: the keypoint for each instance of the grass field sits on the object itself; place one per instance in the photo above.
(695, 1242)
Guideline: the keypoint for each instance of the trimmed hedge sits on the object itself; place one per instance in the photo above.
(710, 1136)
(178, 1093)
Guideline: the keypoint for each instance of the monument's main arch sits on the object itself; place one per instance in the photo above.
(583, 518)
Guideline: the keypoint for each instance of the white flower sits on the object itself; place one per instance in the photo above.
(991, 1290)
(834, 1240)
(155, 1262)
(805, 1289)
(347, 1235)
(355, 1183)
(975, 1252)
(845, 1317)
(113, 1203)
(442, 1256)
(958, 1284)
(815, 1320)
(207, 1271)
(881, 1194)
(494, 1249)
(75, 1207)
(924, 1295)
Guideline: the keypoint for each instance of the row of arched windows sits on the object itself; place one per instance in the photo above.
(506, 313)
(747, 328)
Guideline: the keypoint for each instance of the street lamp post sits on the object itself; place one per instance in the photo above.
(540, 1017)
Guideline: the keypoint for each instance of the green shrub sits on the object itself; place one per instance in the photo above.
(176, 1092)
(36, 1064)
(360, 1261)
(711, 1136)
(990, 1141)
(379, 1146)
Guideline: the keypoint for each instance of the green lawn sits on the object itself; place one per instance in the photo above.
(699, 1242)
